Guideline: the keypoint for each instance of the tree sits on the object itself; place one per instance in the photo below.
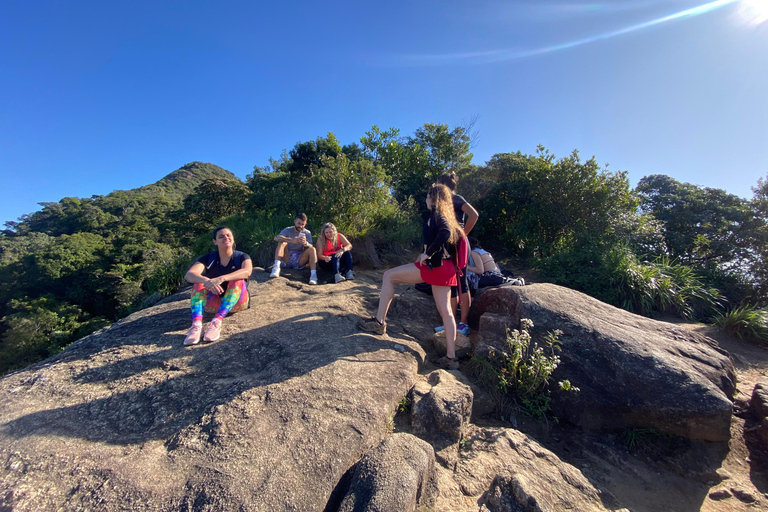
(543, 206)
(414, 163)
(702, 226)
(212, 200)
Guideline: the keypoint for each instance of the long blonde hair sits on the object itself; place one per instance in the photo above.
(334, 236)
(442, 203)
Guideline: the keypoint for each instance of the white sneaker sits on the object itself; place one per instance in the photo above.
(349, 275)
(275, 271)
(338, 278)
(312, 280)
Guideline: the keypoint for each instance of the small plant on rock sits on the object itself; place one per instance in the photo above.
(524, 369)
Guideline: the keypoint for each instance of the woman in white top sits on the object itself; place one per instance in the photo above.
(483, 270)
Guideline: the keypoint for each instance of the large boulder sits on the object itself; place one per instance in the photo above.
(510, 471)
(759, 407)
(632, 371)
(399, 474)
(270, 417)
(440, 411)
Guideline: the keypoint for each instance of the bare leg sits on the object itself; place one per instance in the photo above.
(404, 274)
(281, 253)
(309, 256)
(466, 303)
(442, 296)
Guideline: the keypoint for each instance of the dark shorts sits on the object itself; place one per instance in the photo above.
(464, 285)
(444, 275)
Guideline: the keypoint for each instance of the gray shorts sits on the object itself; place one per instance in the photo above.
(293, 260)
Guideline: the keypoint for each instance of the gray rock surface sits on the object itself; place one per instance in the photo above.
(759, 406)
(632, 371)
(268, 418)
(517, 474)
(440, 412)
(399, 474)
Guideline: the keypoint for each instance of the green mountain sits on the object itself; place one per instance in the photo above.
(183, 181)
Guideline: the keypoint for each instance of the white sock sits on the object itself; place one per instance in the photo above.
(277, 264)
(313, 273)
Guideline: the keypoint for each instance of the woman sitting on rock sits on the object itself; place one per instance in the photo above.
(219, 285)
(333, 253)
(483, 270)
(434, 266)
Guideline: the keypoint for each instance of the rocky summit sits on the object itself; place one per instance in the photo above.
(293, 409)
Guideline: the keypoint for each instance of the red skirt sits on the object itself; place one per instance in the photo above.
(444, 275)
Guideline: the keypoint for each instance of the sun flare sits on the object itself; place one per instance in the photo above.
(753, 12)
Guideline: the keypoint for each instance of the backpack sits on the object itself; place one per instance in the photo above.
(462, 253)
(460, 260)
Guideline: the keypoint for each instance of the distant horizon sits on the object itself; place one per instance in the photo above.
(98, 97)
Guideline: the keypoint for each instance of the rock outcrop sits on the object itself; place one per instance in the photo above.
(515, 473)
(759, 406)
(292, 408)
(268, 418)
(397, 475)
(632, 371)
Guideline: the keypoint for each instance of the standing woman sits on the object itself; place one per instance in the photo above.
(218, 285)
(333, 253)
(467, 217)
(434, 266)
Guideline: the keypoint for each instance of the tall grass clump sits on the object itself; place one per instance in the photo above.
(746, 322)
(660, 286)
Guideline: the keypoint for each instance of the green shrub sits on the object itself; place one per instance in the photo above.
(524, 369)
(745, 322)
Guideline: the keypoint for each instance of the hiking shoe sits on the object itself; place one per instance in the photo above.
(213, 331)
(372, 325)
(193, 334)
(350, 276)
(312, 280)
(448, 363)
(463, 328)
(275, 272)
(338, 278)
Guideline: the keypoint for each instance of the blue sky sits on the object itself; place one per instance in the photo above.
(99, 96)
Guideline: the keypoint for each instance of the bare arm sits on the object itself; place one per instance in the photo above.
(478, 261)
(345, 246)
(195, 275)
(472, 217)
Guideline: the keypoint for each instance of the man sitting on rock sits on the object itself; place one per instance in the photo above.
(295, 249)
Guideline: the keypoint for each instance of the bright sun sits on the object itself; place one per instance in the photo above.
(754, 12)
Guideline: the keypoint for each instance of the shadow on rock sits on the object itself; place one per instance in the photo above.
(155, 394)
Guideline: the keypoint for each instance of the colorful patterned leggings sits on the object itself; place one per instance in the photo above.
(233, 300)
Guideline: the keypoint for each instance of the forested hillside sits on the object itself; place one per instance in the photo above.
(665, 247)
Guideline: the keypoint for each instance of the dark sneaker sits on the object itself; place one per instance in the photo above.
(372, 325)
(448, 363)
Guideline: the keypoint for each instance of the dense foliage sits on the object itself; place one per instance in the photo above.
(665, 247)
